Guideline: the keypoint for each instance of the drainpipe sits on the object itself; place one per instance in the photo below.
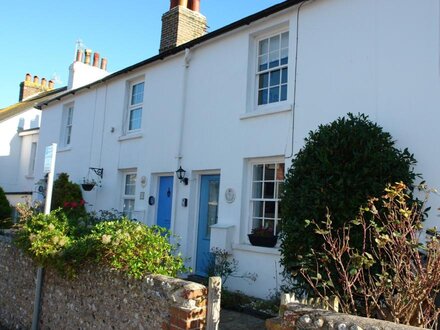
(179, 156)
(295, 78)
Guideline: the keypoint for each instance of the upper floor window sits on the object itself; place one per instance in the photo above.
(66, 133)
(135, 106)
(266, 188)
(272, 70)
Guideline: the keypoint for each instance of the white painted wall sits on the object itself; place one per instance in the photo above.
(15, 151)
(376, 57)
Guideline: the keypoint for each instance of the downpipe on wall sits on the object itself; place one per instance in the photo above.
(187, 60)
(295, 77)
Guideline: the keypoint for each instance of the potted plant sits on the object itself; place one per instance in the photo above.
(88, 185)
(263, 236)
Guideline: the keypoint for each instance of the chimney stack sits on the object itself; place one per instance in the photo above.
(83, 72)
(29, 87)
(181, 24)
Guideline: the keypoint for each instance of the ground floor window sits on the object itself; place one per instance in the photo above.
(266, 187)
(129, 194)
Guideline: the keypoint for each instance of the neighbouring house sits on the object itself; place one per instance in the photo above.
(19, 128)
(232, 107)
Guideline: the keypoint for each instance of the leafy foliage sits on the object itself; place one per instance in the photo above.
(68, 196)
(221, 263)
(5, 210)
(136, 249)
(66, 243)
(341, 165)
(405, 282)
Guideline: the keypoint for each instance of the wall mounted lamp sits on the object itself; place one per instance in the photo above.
(181, 175)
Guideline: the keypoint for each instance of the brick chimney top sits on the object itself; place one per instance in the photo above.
(182, 23)
(29, 88)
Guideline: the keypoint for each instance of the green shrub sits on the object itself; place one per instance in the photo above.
(5, 210)
(66, 243)
(341, 165)
(45, 237)
(68, 196)
(136, 249)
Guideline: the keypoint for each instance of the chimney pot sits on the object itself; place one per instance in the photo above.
(36, 80)
(194, 5)
(174, 3)
(28, 77)
(104, 64)
(51, 84)
(88, 56)
(79, 55)
(183, 3)
(96, 59)
(43, 82)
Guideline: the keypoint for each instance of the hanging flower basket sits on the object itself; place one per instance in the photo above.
(88, 185)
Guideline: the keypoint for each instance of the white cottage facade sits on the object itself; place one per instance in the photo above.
(232, 108)
(19, 129)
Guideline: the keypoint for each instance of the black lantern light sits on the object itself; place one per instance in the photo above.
(181, 175)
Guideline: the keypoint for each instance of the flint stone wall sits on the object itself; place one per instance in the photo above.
(97, 298)
(301, 317)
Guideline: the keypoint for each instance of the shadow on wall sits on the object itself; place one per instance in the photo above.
(10, 158)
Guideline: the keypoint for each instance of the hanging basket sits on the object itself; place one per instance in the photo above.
(88, 186)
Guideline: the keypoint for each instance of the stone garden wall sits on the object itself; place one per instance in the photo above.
(97, 298)
(301, 317)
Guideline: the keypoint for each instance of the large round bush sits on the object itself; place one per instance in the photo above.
(341, 165)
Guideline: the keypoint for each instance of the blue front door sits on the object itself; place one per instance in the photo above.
(208, 210)
(164, 204)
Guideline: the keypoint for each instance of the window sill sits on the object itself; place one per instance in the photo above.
(257, 249)
(267, 111)
(131, 136)
(64, 149)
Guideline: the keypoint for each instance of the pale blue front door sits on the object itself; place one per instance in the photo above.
(208, 210)
(165, 201)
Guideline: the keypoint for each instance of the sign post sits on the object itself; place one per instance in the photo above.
(49, 168)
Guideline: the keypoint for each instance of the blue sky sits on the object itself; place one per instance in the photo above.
(38, 37)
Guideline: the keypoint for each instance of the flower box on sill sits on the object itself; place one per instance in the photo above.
(266, 241)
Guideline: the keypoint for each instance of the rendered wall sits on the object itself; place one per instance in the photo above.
(380, 58)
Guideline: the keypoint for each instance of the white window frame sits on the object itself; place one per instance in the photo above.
(282, 68)
(252, 198)
(253, 108)
(67, 126)
(132, 107)
(128, 197)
